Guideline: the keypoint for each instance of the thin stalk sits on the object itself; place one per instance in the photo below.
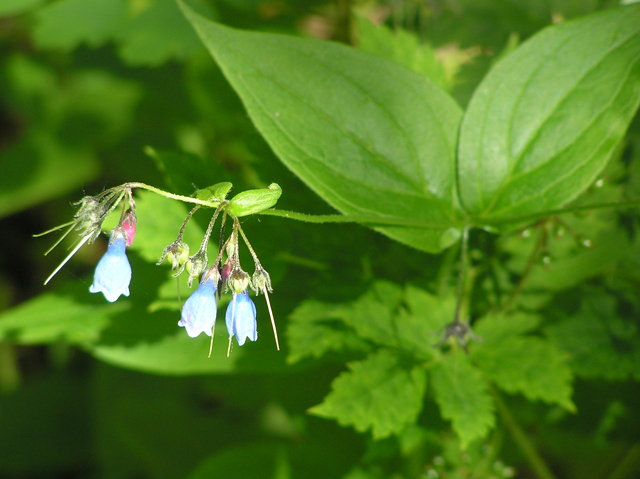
(236, 224)
(186, 220)
(360, 219)
(527, 448)
(464, 252)
(533, 259)
(186, 199)
(475, 222)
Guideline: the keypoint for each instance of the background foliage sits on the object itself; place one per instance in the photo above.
(99, 92)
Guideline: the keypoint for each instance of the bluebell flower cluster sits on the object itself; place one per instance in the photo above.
(199, 311)
(113, 273)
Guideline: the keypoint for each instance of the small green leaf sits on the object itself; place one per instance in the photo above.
(528, 365)
(462, 395)
(545, 120)
(369, 136)
(216, 192)
(250, 202)
(494, 327)
(314, 330)
(372, 315)
(377, 394)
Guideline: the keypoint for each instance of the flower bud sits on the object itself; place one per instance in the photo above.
(261, 280)
(195, 265)
(238, 281)
(226, 270)
(176, 253)
(129, 226)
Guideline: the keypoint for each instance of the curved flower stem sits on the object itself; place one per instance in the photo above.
(360, 219)
(236, 225)
(370, 220)
(166, 194)
(526, 446)
(186, 220)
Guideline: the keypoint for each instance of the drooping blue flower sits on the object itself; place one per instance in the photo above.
(113, 273)
(241, 318)
(199, 311)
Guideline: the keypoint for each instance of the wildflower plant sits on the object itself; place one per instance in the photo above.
(395, 151)
(113, 273)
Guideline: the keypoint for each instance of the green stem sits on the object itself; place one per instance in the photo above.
(361, 219)
(526, 446)
(462, 273)
(186, 199)
(471, 222)
(533, 260)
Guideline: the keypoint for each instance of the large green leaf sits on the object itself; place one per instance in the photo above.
(544, 122)
(367, 135)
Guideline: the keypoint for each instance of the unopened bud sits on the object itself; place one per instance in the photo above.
(261, 280)
(129, 225)
(238, 281)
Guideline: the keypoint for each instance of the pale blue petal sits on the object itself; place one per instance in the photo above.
(113, 273)
(241, 318)
(199, 311)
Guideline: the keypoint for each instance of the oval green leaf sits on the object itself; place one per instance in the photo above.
(367, 135)
(544, 122)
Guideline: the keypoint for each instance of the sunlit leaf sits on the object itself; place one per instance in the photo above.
(377, 394)
(463, 397)
(368, 136)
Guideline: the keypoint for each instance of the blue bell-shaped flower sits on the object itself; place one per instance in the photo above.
(241, 318)
(199, 311)
(113, 273)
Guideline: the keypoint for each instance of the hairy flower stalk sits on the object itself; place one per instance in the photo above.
(196, 264)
